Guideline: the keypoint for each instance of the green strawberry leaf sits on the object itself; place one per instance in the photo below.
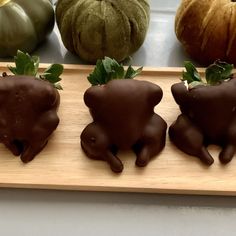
(113, 68)
(109, 69)
(27, 65)
(218, 72)
(191, 74)
(99, 74)
(131, 73)
(52, 73)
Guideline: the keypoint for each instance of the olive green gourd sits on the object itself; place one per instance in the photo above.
(94, 29)
(24, 24)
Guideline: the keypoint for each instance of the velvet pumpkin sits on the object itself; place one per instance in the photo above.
(207, 29)
(94, 29)
(24, 24)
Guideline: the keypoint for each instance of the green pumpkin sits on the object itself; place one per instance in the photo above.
(24, 24)
(97, 28)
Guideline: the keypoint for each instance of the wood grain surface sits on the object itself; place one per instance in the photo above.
(62, 164)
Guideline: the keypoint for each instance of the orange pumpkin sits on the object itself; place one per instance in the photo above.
(207, 29)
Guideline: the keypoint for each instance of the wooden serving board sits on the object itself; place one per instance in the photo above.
(63, 165)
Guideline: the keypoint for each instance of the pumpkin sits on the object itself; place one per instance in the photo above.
(94, 29)
(207, 29)
(24, 24)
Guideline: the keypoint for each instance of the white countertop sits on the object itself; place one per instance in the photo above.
(47, 213)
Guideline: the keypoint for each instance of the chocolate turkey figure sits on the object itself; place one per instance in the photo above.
(123, 118)
(28, 107)
(208, 112)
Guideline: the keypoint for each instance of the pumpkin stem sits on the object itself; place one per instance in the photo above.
(4, 2)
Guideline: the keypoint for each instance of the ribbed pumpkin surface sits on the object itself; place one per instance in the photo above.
(94, 29)
(207, 29)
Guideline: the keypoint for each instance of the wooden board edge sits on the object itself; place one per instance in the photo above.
(115, 189)
(146, 69)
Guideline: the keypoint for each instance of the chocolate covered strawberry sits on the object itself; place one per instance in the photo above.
(123, 115)
(208, 112)
(28, 106)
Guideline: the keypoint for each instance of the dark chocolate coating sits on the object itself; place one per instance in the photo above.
(28, 114)
(124, 118)
(208, 117)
